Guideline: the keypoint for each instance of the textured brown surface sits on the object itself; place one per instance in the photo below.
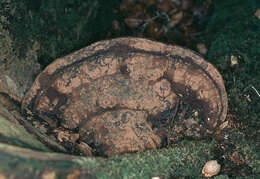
(114, 92)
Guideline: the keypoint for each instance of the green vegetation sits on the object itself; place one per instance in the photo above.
(234, 30)
(61, 26)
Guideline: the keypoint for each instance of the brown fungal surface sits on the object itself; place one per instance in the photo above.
(127, 95)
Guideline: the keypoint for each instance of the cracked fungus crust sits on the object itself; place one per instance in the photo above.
(112, 93)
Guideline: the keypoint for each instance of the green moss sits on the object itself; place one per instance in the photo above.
(13, 133)
(30, 168)
(248, 148)
(61, 26)
(181, 160)
(184, 159)
(176, 161)
(234, 30)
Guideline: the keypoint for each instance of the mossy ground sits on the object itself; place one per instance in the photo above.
(182, 160)
(61, 26)
(233, 30)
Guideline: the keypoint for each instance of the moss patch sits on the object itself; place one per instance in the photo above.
(61, 26)
(234, 30)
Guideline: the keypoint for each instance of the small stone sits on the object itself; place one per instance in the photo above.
(155, 178)
(196, 114)
(211, 168)
(233, 60)
(257, 13)
(202, 48)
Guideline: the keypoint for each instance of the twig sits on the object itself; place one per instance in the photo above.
(173, 114)
(158, 15)
(255, 91)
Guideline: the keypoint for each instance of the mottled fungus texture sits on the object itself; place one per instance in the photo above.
(125, 95)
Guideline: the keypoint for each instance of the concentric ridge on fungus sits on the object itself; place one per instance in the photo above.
(111, 93)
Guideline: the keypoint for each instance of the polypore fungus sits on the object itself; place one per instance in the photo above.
(120, 95)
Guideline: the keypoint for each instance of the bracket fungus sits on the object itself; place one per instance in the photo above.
(125, 95)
